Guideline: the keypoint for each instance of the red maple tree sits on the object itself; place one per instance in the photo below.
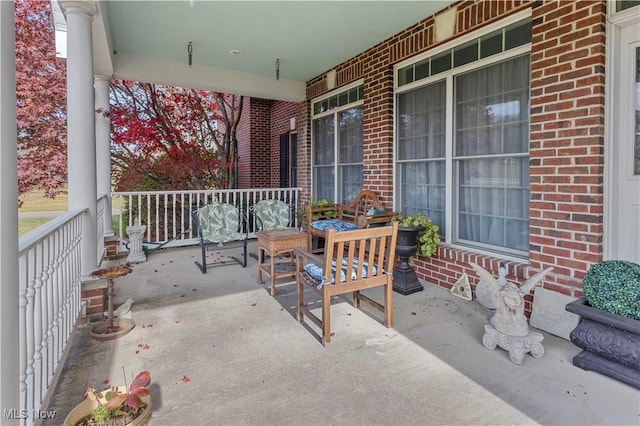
(41, 101)
(166, 138)
(162, 137)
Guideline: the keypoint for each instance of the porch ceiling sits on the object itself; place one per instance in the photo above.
(147, 40)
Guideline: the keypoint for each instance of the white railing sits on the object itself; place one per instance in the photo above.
(49, 303)
(167, 214)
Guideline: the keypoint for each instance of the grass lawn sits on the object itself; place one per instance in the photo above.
(35, 201)
(27, 224)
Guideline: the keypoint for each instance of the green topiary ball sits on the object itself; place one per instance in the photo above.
(614, 286)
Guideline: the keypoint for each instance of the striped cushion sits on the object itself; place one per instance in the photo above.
(315, 271)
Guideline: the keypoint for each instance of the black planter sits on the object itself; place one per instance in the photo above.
(611, 343)
(405, 280)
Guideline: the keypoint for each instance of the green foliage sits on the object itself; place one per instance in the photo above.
(113, 403)
(614, 286)
(319, 203)
(428, 239)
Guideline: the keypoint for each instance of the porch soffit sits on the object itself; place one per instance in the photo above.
(147, 40)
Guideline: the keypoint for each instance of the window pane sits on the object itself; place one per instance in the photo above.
(493, 200)
(422, 69)
(350, 154)
(491, 44)
(323, 178)
(421, 122)
(323, 134)
(626, 4)
(350, 135)
(466, 53)
(517, 35)
(492, 109)
(441, 62)
(423, 190)
(350, 182)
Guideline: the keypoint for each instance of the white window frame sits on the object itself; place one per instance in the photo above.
(451, 210)
(336, 130)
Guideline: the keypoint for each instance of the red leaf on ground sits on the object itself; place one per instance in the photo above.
(413, 313)
(333, 334)
(149, 325)
(185, 379)
(106, 382)
(183, 295)
(137, 352)
(155, 270)
(140, 345)
(177, 322)
(254, 303)
(175, 285)
(349, 313)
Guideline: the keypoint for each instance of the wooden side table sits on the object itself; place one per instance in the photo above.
(276, 242)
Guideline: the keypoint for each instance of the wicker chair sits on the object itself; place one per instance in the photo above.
(220, 226)
(366, 258)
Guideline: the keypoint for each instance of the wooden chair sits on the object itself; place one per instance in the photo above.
(220, 226)
(363, 212)
(366, 258)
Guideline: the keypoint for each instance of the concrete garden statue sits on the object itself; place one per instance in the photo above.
(508, 327)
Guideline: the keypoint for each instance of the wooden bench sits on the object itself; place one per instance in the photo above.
(363, 212)
(366, 258)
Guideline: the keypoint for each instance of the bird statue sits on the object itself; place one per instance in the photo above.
(123, 309)
(509, 328)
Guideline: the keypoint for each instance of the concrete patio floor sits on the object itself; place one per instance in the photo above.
(222, 351)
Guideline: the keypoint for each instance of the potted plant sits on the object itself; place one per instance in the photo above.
(301, 211)
(417, 234)
(115, 406)
(609, 331)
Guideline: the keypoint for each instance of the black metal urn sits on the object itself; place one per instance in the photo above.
(611, 343)
(405, 280)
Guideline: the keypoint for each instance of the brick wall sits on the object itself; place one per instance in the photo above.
(254, 144)
(567, 139)
(281, 114)
(567, 103)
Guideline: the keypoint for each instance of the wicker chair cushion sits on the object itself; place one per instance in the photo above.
(337, 224)
(272, 214)
(315, 271)
(219, 223)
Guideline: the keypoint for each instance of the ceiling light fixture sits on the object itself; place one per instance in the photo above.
(190, 52)
(236, 52)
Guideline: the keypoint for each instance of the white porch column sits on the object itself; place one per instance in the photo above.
(103, 147)
(81, 131)
(9, 337)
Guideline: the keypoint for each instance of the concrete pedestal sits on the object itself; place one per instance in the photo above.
(136, 249)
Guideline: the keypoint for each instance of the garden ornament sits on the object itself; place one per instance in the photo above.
(508, 327)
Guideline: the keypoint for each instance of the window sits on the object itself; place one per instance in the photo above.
(337, 146)
(484, 168)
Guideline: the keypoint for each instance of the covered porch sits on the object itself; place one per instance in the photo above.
(221, 350)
